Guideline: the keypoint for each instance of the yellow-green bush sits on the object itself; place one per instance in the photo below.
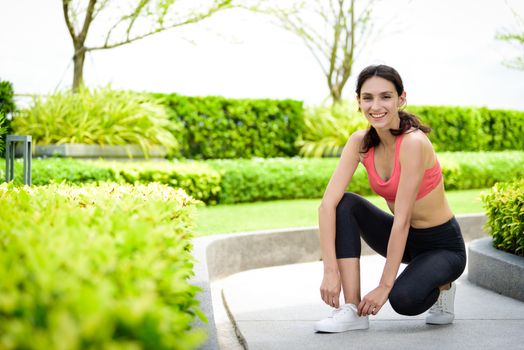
(505, 211)
(103, 117)
(96, 267)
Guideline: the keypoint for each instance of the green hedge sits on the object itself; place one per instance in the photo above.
(198, 179)
(505, 211)
(7, 106)
(217, 127)
(45, 171)
(472, 129)
(98, 267)
(259, 179)
(267, 179)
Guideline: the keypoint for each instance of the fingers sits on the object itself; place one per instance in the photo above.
(330, 298)
(366, 308)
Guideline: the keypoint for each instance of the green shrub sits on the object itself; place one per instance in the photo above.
(7, 102)
(98, 267)
(453, 129)
(7, 107)
(102, 117)
(4, 126)
(197, 179)
(268, 179)
(505, 211)
(259, 179)
(468, 170)
(472, 129)
(327, 128)
(217, 127)
(70, 171)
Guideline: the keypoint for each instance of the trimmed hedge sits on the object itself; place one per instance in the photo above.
(505, 211)
(472, 129)
(260, 179)
(268, 179)
(218, 127)
(98, 267)
(7, 106)
(198, 179)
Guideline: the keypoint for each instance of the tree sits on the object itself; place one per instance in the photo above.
(517, 39)
(130, 21)
(333, 30)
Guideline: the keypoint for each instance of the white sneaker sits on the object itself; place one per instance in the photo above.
(343, 319)
(442, 312)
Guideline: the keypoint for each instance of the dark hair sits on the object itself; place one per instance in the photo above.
(407, 120)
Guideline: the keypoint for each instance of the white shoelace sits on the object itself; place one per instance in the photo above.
(340, 311)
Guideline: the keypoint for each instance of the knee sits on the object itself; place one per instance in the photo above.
(404, 302)
(347, 203)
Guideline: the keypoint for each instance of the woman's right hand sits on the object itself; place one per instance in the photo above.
(330, 288)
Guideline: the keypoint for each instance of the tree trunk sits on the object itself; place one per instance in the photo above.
(78, 71)
(336, 93)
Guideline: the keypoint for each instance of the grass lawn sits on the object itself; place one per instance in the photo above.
(293, 213)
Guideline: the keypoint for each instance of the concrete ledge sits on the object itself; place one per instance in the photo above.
(495, 269)
(219, 256)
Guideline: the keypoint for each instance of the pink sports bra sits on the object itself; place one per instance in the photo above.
(388, 189)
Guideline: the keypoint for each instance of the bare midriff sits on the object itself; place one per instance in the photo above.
(431, 210)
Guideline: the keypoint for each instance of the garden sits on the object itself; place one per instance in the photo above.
(97, 253)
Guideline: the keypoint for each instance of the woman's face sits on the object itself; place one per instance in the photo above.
(380, 102)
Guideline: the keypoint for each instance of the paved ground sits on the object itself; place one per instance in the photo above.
(275, 308)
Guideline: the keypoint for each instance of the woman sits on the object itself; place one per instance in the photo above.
(422, 232)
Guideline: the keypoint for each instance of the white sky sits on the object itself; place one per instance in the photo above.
(445, 51)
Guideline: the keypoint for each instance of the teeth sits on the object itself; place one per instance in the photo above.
(378, 115)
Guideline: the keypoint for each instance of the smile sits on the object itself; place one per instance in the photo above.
(377, 116)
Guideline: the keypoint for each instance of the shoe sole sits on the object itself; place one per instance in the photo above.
(436, 322)
(342, 328)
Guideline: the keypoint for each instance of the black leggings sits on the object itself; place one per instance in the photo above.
(435, 255)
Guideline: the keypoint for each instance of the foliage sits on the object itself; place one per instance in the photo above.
(7, 107)
(217, 127)
(517, 39)
(468, 170)
(7, 103)
(197, 179)
(231, 181)
(328, 127)
(99, 267)
(127, 22)
(103, 116)
(472, 129)
(4, 125)
(333, 31)
(505, 211)
(268, 179)
(453, 129)
(58, 170)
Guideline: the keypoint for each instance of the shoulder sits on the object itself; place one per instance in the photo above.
(416, 146)
(357, 137)
(354, 145)
(415, 139)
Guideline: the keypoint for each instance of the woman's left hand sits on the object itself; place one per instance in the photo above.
(373, 301)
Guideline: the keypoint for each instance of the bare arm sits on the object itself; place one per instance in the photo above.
(412, 172)
(334, 191)
(330, 288)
